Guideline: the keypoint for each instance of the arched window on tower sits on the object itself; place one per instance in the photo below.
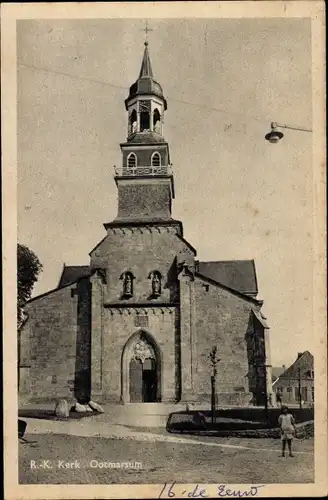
(127, 278)
(133, 122)
(144, 121)
(156, 121)
(156, 160)
(156, 283)
(145, 111)
(132, 160)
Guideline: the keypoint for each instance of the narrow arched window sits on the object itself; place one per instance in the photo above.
(156, 160)
(127, 278)
(156, 283)
(144, 121)
(132, 160)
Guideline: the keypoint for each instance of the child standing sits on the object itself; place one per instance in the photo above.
(287, 424)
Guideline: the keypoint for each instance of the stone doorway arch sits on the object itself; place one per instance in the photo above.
(141, 369)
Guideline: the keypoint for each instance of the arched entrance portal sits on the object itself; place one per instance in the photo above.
(141, 369)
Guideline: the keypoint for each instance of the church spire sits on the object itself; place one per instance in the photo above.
(146, 69)
(145, 180)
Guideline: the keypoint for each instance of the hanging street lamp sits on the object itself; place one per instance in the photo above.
(275, 135)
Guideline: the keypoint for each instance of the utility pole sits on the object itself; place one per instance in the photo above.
(214, 360)
(265, 392)
(299, 387)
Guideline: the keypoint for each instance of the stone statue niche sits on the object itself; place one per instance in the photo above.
(127, 278)
(156, 283)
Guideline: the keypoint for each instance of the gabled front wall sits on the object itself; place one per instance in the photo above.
(223, 319)
(139, 250)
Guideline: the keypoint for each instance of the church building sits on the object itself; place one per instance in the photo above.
(138, 323)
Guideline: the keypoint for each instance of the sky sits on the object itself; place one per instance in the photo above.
(238, 196)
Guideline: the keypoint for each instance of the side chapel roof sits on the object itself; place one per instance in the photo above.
(239, 275)
(71, 274)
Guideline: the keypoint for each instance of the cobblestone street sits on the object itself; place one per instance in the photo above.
(163, 458)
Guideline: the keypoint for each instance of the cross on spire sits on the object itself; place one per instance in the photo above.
(147, 30)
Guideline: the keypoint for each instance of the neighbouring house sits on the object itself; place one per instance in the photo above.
(300, 375)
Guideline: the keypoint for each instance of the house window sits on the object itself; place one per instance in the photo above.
(304, 393)
(312, 392)
(127, 278)
(132, 160)
(54, 379)
(288, 389)
(156, 160)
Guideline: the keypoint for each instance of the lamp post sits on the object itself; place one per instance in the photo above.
(275, 135)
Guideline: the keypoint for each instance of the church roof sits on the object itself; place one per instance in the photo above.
(71, 274)
(146, 83)
(146, 69)
(239, 275)
(146, 137)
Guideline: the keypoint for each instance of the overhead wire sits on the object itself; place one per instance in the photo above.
(121, 87)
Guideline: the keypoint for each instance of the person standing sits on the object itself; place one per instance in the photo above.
(278, 398)
(286, 422)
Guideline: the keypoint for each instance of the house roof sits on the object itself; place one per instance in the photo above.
(239, 275)
(71, 274)
(304, 361)
(277, 371)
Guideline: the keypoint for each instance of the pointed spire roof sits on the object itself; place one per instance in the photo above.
(146, 83)
(146, 69)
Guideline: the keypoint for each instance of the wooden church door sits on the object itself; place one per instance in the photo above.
(136, 395)
(143, 373)
(149, 381)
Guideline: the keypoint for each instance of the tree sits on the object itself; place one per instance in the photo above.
(28, 270)
(213, 361)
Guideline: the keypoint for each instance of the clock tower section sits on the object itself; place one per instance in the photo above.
(145, 180)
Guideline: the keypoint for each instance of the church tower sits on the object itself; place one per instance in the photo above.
(145, 180)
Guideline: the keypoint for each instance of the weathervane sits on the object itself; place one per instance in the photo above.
(147, 30)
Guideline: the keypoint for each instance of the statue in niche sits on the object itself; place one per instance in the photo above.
(134, 127)
(128, 285)
(156, 284)
(157, 127)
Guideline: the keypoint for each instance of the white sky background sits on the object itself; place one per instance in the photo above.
(238, 196)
